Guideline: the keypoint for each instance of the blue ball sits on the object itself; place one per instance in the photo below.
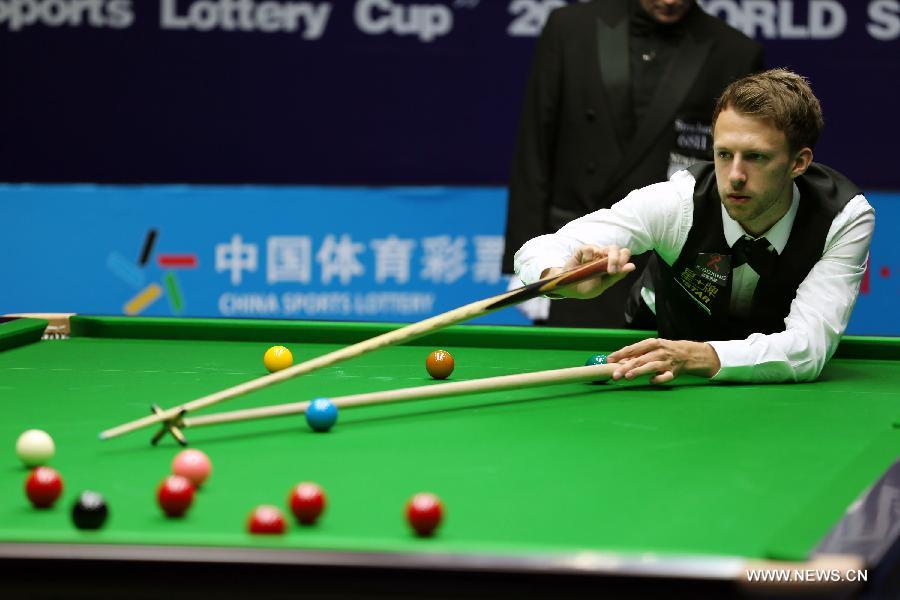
(321, 414)
(597, 359)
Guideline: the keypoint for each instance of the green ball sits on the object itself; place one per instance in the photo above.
(597, 359)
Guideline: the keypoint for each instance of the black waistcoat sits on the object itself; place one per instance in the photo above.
(693, 294)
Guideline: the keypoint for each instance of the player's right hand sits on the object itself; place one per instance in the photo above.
(618, 266)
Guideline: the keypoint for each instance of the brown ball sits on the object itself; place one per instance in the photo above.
(439, 364)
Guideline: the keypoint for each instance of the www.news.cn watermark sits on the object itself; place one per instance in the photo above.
(807, 575)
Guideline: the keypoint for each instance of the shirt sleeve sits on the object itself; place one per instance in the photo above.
(819, 313)
(642, 221)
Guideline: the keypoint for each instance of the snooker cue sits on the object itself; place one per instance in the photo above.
(409, 332)
(472, 386)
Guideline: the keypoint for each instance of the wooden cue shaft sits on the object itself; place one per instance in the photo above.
(490, 384)
(410, 332)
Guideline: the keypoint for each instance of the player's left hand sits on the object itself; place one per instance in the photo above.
(664, 360)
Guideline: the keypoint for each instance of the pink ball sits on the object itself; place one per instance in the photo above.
(193, 465)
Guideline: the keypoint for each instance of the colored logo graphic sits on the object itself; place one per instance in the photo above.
(134, 275)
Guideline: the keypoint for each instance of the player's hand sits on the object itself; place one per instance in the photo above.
(617, 267)
(664, 360)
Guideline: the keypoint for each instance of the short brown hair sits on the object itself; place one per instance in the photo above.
(779, 95)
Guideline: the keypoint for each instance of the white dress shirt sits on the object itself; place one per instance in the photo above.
(659, 217)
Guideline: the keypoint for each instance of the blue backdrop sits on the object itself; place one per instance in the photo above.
(298, 253)
(293, 252)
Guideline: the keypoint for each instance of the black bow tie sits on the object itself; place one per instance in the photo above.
(759, 254)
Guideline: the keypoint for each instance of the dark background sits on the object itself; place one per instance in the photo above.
(143, 104)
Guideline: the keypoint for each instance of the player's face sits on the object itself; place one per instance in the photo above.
(755, 169)
(667, 11)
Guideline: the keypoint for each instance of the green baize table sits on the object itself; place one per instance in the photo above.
(613, 486)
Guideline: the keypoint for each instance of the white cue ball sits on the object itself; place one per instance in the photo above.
(35, 448)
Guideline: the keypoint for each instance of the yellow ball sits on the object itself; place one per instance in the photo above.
(277, 358)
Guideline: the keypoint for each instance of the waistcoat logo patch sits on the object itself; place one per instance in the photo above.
(706, 280)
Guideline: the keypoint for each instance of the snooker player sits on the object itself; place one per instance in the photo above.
(760, 253)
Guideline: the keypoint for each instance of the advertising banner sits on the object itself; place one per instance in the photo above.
(359, 91)
(392, 254)
(363, 254)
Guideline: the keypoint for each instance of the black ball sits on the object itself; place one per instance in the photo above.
(89, 511)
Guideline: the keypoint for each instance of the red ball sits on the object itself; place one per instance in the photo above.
(43, 487)
(307, 502)
(266, 519)
(424, 512)
(175, 495)
(439, 364)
